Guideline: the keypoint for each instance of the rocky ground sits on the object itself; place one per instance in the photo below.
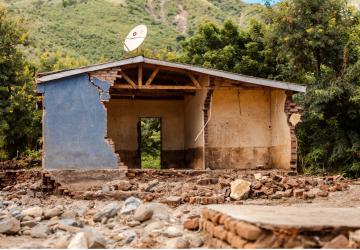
(32, 219)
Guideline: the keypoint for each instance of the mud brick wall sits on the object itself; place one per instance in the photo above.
(108, 75)
(10, 178)
(223, 231)
(290, 109)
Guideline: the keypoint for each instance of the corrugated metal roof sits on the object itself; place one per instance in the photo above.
(45, 77)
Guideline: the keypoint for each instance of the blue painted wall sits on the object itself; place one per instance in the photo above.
(75, 124)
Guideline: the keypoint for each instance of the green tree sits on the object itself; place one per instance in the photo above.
(312, 34)
(19, 119)
(53, 61)
(231, 49)
(317, 43)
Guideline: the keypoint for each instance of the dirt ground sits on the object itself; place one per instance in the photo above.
(49, 221)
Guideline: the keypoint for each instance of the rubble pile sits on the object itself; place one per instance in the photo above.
(223, 231)
(175, 188)
(61, 222)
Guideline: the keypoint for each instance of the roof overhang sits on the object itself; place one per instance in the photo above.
(51, 76)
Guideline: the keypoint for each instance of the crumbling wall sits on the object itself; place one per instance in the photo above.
(194, 122)
(74, 124)
(281, 143)
(239, 131)
(123, 118)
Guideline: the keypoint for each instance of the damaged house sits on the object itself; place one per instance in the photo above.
(209, 118)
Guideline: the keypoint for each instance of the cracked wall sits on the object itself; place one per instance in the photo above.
(75, 124)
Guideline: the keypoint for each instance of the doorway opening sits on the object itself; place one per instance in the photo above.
(150, 142)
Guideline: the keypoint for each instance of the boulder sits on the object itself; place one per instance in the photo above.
(123, 185)
(173, 201)
(173, 231)
(143, 213)
(41, 230)
(94, 239)
(240, 189)
(33, 212)
(195, 241)
(9, 225)
(339, 242)
(79, 241)
(69, 214)
(182, 243)
(150, 186)
(108, 211)
(52, 212)
(191, 224)
(127, 236)
(130, 205)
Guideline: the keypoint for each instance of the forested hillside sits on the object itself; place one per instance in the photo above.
(93, 29)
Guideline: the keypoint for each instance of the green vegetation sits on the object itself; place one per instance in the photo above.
(19, 119)
(94, 29)
(150, 147)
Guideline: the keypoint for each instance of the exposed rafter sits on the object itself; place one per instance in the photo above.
(128, 79)
(152, 76)
(194, 80)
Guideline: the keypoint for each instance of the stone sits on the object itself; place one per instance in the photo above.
(299, 193)
(69, 215)
(355, 237)
(41, 230)
(256, 185)
(128, 236)
(309, 195)
(240, 189)
(133, 223)
(52, 212)
(150, 186)
(247, 231)
(123, 185)
(107, 212)
(278, 195)
(33, 212)
(292, 182)
(288, 193)
(173, 201)
(105, 188)
(182, 243)
(31, 223)
(61, 243)
(79, 241)
(94, 239)
(69, 222)
(173, 231)
(195, 241)
(143, 213)
(257, 176)
(339, 242)
(154, 226)
(130, 205)
(192, 224)
(9, 225)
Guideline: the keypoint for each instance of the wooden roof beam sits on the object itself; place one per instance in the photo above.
(152, 76)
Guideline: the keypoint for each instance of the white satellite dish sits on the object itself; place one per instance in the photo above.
(135, 38)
